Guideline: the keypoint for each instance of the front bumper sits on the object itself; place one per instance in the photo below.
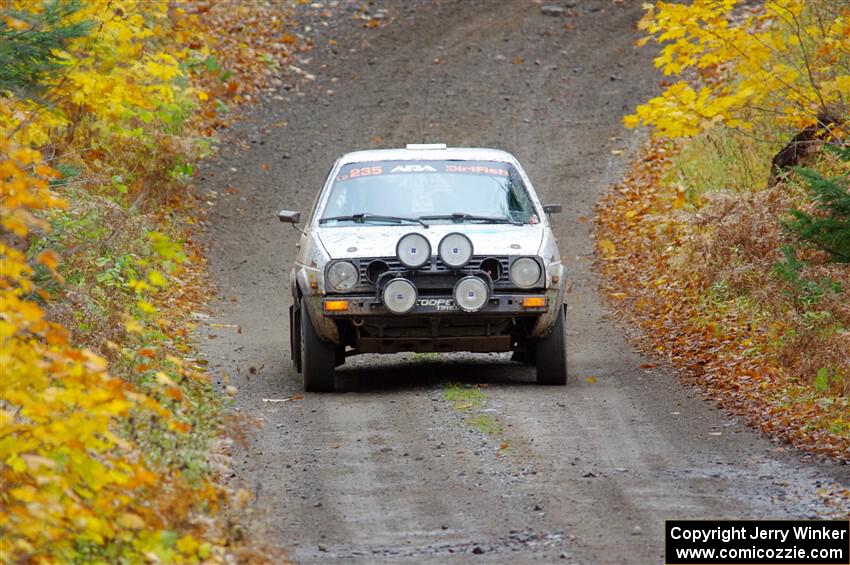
(344, 306)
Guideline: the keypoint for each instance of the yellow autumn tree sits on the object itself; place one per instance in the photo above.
(104, 107)
(73, 487)
(65, 478)
(112, 79)
(786, 63)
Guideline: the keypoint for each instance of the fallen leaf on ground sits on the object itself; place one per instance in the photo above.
(287, 399)
(607, 246)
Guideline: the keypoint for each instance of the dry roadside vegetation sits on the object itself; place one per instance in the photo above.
(107, 418)
(728, 241)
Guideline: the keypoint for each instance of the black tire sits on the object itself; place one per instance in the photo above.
(295, 337)
(317, 356)
(527, 353)
(551, 358)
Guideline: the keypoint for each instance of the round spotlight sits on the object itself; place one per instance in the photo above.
(399, 296)
(413, 250)
(455, 250)
(525, 272)
(471, 294)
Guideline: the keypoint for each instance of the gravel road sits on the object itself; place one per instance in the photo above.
(388, 470)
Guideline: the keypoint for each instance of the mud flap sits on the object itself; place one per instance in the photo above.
(295, 337)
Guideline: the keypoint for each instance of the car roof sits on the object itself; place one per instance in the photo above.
(429, 153)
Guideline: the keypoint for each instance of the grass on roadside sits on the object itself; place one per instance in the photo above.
(464, 397)
(486, 425)
(468, 399)
(720, 160)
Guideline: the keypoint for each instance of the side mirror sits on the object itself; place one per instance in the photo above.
(289, 216)
(552, 208)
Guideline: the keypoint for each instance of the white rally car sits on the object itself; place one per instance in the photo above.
(426, 249)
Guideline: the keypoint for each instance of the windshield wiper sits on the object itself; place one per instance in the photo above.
(461, 217)
(365, 216)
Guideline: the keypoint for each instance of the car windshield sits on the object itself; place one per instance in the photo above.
(433, 191)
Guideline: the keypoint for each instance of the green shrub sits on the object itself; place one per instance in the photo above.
(808, 291)
(827, 227)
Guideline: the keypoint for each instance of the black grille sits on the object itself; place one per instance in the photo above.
(434, 265)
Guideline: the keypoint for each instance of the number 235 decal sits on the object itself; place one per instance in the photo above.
(362, 172)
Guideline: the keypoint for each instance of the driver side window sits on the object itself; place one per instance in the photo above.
(319, 195)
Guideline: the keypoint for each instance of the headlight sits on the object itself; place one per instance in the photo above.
(471, 294)
(399, 296)
(525, 272)
(413, 250)
(455, 250)
(343, 275)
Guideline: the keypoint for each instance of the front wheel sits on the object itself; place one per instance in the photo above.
(317, 356)
(551, 354)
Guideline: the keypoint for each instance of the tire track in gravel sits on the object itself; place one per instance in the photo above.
(387, 470)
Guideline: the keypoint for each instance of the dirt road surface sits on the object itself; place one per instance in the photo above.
(389, 471)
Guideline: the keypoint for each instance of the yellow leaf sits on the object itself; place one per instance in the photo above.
(607, 246)
(631, 121)
(139, 285)
(131, 521)
(31, 312)
(590, 380)
(187, 545)
(132, 325)
(164, 379)
(146, 307)
(24, 494)
(157, 278)
(16, 24)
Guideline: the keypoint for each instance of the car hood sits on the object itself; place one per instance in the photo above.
(380, 240)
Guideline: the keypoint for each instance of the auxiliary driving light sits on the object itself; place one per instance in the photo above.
(399, 296)
(413, 250)
(471, 294)
(455, 250)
